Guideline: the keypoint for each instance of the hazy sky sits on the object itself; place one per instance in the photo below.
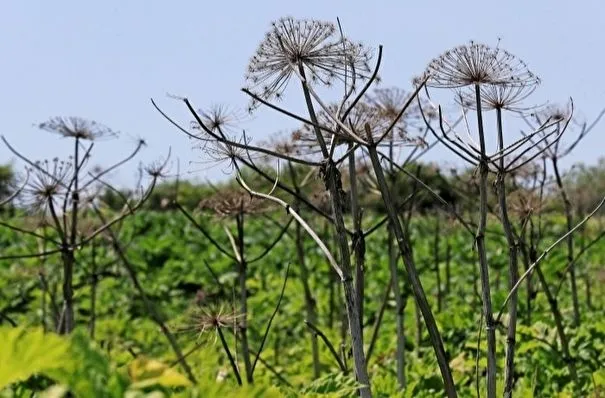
(103, 60)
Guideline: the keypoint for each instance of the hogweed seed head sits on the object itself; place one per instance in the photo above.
(211, 317)
(477, 63)
(389, 102)
(553, 113)
(48, 181)
(76, 127)
(218, 119)
(229, 202)
(498, 96)
(315, 46)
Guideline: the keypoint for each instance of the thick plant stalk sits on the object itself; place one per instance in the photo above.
(334, 184)
(359, 244)
(570, 248)
(243, 296)
(68, 256)
(416, 285)
(345, 277)
(400, 309)
(513, 270)
(490, 326)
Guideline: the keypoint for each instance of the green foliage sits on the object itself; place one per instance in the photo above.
(25, 353)
(173, 262)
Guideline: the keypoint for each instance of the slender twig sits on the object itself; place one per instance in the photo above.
(328, 344)
(544, 254)
(264, 339)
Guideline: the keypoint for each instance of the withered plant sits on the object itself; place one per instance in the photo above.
(59, 191)
(563, 118)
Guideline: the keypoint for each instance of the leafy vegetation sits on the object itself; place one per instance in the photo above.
(342, 271)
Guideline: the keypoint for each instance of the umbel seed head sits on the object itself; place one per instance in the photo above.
(76, 127)
(477, 64)
(313, 48)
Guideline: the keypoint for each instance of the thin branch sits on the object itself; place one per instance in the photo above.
(272, 245)
(203, 231)
(264, 339)
(543, 255)
(330, 346)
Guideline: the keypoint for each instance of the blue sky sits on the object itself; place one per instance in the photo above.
(104, 60)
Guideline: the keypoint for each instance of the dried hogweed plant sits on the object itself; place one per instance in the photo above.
(61, 191)
(555, 150)
(337, 134)
(237, 205)
(484, 79)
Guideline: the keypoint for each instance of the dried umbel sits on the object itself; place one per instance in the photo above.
(223, 152)
(49, 181)
(499, 96)
(526, 202)
(219, 119)
(313, 48)
(476, 64)
(76, 127)
(231, 202)
(389, 102)
(285, 144)
(355, 122)
(211, 317)
(553, 113)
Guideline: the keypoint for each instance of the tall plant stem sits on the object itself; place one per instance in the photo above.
(436, 247)
(570, 248)
(513, 268)
(400, 310)
(232, 362)
(408, 260)
(334, 185)
(359, 244)
(490, 326)
(448, 263)
(243, 296)
(94, 282)
(68, 248)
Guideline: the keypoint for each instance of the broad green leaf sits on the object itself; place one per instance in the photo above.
(25, 352)
(145, 372)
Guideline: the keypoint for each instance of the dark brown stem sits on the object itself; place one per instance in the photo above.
(513, 269)
(266, 334)
(482, 252)
(334, 184)
(94, 281)
(412, 273)
(399, 310)
(242, 270)
(570, 248)
(379, 317)
(437, 259)
(328, 344)
(229, 356)
(359, 246)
